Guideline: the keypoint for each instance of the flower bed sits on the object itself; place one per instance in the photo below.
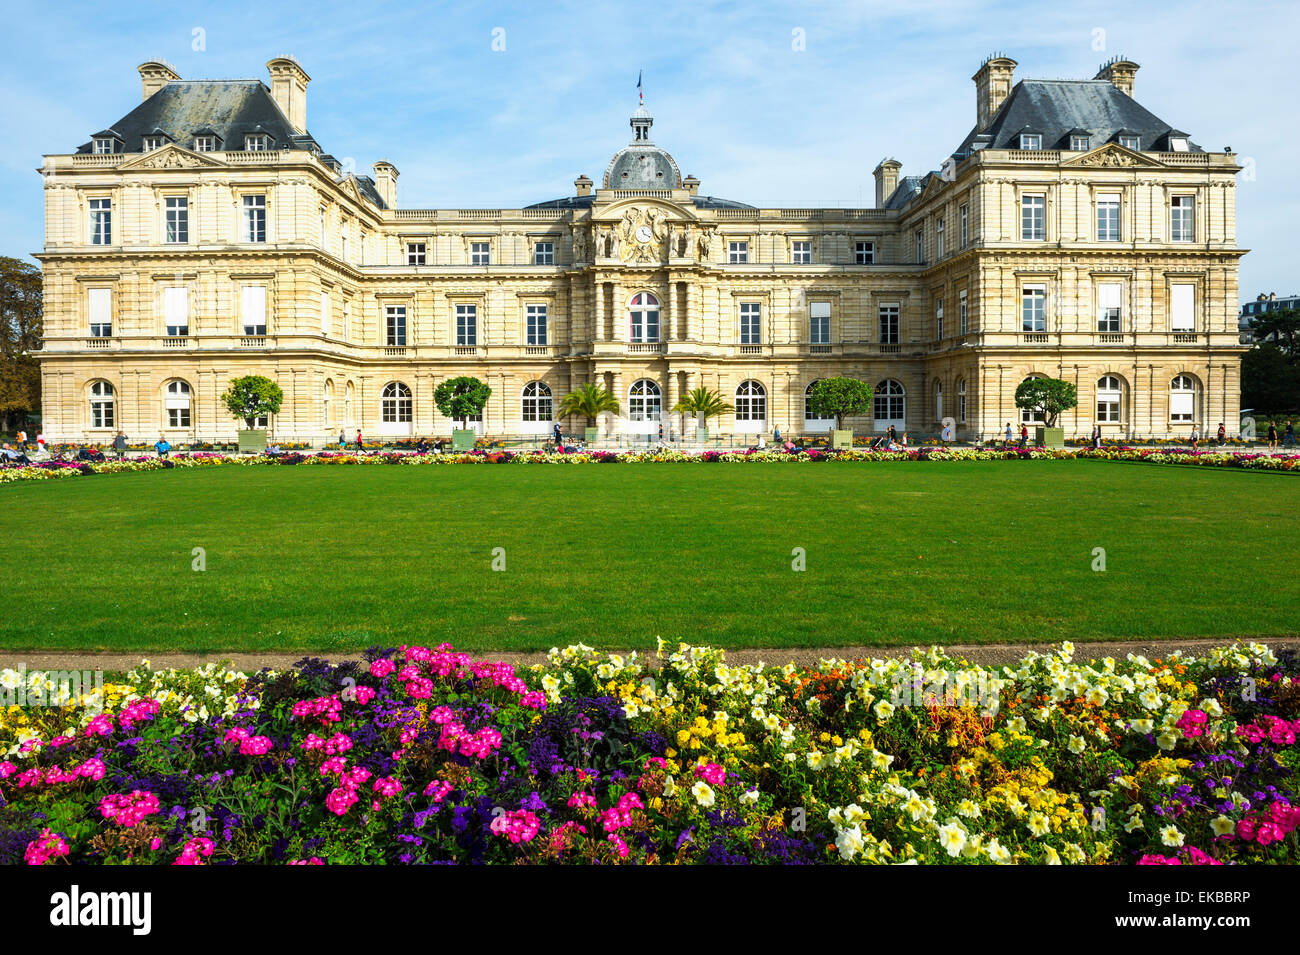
(55, 469)
(424, 756)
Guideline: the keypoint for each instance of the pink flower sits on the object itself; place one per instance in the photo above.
(312, 861)
(364, 695)
(341, 799)
(195, 851)
(437, 790)
(581, 800)
(1192, 723)
(92, 769)
(711, 773)
(518, 825)
(381, 668)
(387, 786)
(129, 810)
(101, 725)
(48, 845)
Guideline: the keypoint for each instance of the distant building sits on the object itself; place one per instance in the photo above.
(1263, 303)
(207, 235)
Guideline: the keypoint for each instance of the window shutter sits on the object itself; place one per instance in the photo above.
(101, 305)
(176, 305)
(253, 304)
(1180, 404)
(1182, 309)
(1108, 295)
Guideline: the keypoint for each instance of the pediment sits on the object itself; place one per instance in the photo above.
(1115, 156)
(641, 207)
(172, 156)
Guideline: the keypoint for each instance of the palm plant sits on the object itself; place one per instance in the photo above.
(703, 404)
(589, 401)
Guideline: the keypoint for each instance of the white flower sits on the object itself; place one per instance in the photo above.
(1170, 836)
(1222, 825)
(884, 710)
(1168, 739)
(1077, 745)
(703, 793)
(1038, 824)
(849, 842)
(1051, 856)
(968, 809)
(1149, 699)
(953, 838)
(1016, 725)
(997, 852)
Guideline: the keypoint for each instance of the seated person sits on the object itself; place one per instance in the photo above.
(273, 450)
(422, 446)
(14, 456)
(90, 454)
(163, 447)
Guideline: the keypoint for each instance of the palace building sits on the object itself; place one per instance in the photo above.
(206, 235)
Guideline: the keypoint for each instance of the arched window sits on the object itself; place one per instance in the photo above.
(327, 401)
(890, 405)
(810, 420)
(1027, 415)
(1182, 400)
(938, 400)
(644, 401)
(395, 404)
(177, 401)
(751, 402)
(101, 405)
(536, 402)
(961, 400)
(1110, 399)
(643, 313)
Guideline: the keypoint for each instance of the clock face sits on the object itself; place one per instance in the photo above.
(643, 233)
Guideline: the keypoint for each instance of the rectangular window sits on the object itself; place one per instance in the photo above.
(257, 143)
(176, 310)
(819, 323)
(103, 146)
(480, 253)
(1109, 318)
(252, 308)
(965, 225)
(738, 253)
(801, 253)
(920, 246)
(466, 325)
(101, 221)
(1079, 143)
(395, 325)
(938, 239)
(750, 323)
(99, 302)
(864, 253)
(1182, 307)
(1182, 219)
(535, 320)
(543, 253)
(415, 253)
(178, 219)
(347, 319)
(204, 144)
(153, 142)
(1130, 142)
(1033, 308)
(938, 322)
(889, 324)
(1031, 141)
(962, 320)
(324, 312)
(1033, 218)
(254, 218)
(1108, 217)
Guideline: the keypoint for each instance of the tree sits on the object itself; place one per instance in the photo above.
(1281, 328)
(703, 405)
(461, 399)
(1046, 398)
(21, 328)
(840, 398)
(251, 397)
(589, 401)
(1270, 382)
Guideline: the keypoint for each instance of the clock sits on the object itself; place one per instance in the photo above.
(643, 233)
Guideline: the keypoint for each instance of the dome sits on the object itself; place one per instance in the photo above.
(642, 166)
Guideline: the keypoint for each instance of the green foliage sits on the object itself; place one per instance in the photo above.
(703, 404)
(588, 401)
(21, 319)
(1046, 398)
(840, 398)
(1281, 328)
(1270, 381)
(251, 397)
(461, 398)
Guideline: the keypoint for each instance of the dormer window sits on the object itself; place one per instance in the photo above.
(1079, 143)
(256, 143)
(104, 144)
(1031, 141)
(150, 143)
(1178, 144)
(205, 144)
(1130, 142)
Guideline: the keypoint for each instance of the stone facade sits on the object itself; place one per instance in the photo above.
(366, 306)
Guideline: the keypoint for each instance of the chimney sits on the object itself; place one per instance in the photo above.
(583, 186)
(154, 75)
(1120, 72)
(289, 90)
(691, 185)
(386, 182)
(886, 180)
(992, 86)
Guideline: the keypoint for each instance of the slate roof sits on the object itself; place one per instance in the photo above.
(1057, 108)
(585, 202)
(227, 108)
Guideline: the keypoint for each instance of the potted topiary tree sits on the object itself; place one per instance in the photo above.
(461, 399)
(703, 405)
(1046, 398)
(589, 401)
(249, 398)
(840, 398)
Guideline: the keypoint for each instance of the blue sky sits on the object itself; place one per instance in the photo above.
(738, 106)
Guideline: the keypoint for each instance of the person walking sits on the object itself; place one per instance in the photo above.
(40, 441)
(1272, 437)
(1024, 434)
(119, 445)
(343, 440)
(776, 437)
(1096, 436)
(22, 440)
(359, 439)
(558, 433)
(1288, 436)
(892, 435)
(1223, 435)
(1196, 438)
(1006, 443)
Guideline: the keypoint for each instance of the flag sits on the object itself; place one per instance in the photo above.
(639, 95)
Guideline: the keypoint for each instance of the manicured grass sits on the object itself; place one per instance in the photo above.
(339, 558)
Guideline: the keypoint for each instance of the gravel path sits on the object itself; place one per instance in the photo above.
(992, 653)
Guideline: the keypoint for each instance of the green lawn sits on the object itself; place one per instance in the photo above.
(338, 558)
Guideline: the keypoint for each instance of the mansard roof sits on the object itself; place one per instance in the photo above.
(1057, 108)
(229, 109)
